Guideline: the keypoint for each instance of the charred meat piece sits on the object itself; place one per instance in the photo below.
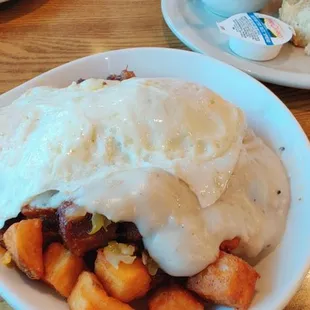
(80, 80)
(1, 238)
(44, 214)
(128, 232)
(49, 219)
(50, 233)
(89, 259)
(75, 230)
(125, 75)
(160, 278)
(229, 245)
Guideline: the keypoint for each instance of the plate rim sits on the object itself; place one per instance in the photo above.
(273, 76)
(28, 84)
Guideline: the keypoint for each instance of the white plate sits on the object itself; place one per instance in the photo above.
(283, 270)
(196, 28)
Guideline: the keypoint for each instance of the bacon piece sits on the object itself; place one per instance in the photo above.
(230, 245)
(75, 230)
(125, 75)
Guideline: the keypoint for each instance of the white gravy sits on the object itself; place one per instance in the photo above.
(170, 156)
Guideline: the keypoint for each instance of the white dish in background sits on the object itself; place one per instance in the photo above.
(283, 270)
(228, 8)
(196, 28)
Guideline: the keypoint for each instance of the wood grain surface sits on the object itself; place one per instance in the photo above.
(38, 35)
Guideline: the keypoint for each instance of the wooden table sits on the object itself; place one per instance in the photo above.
(37, 35)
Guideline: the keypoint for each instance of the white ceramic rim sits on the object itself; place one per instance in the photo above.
(195, 43)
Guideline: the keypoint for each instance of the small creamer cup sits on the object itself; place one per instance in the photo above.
(256, 36)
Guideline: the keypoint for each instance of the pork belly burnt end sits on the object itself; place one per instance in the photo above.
(1, 238)
(49, 219)
(44, 214)
(128, 232)
(161, 278)
(75, 230)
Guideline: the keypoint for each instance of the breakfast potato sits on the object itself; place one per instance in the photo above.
(24, 241)
(89, 294)
(7, 224)
(174, 297)
(2, 251)
(128, 282)
(62, 268)
(5, 257)
(229, 281)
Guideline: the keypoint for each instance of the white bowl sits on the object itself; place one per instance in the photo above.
(283, 270)
(228, 8)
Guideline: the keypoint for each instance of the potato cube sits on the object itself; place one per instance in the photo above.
(2, 251)
(128, 282)
(24, 242)
(62, 268)
(5, 258)
(174, 297)
(89, 294)
(229, 281)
